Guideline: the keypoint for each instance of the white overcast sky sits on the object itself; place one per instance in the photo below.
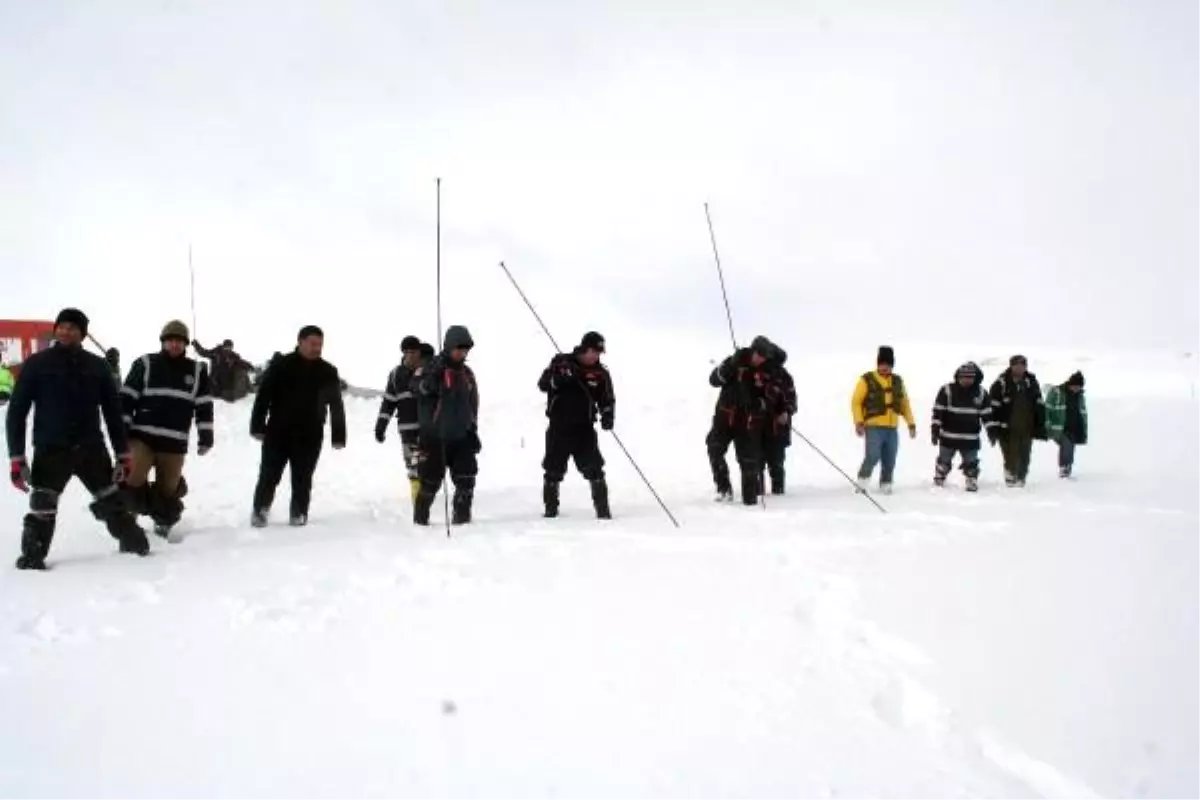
(1019, 171)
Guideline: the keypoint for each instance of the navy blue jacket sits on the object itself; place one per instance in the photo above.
(68, 388)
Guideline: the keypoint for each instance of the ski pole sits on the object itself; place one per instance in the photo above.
(616, 438)
(441, 439)
(720, 275)
(858, 489)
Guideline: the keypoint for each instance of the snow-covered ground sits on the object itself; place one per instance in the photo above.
(1010, 643)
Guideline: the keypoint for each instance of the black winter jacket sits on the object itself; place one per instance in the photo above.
(161, 396)
(398, 399)
(68, 388)
(749, 394)
(960, 412)
(292, 400)
(1005, 391)
(577, 393)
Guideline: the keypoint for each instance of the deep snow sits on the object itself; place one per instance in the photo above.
(1013, 643)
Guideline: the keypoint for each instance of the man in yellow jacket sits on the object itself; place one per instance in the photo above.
(879, 401)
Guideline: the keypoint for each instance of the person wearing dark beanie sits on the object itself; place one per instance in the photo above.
(399, 400)
(290, 408)
(68, 390)
(878, 403)
(1067, 420)
(1019, 417)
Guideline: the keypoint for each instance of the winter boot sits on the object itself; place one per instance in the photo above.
(258, 518)
(751, 483)
(1064, 472)
(724, 494)
(777, 481)
(414, 486)
(298, 520)
(1010, 480)
(972, 483)
(550, 498)
(885, 488)
(600, 499)
(34, 549)
(133, 540)
(461, 514)
(939, 480)
(422, 507)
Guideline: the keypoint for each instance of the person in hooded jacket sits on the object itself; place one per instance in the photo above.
(1020, 415)
(448, 412)
(399, 401)
(69, 390)
(777, 431)
(229, 374)
(1067, 420)
(961, 409)
(298, 390)
(578, 388)
(750, 396)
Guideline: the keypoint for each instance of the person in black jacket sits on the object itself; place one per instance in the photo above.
(399, 400)
(1019, 411)
(750, 395)
(289, 419)
(448, 412)
(162, 394)
(959, 410)
(69, 389)
(229, 374)
(777, 431)
(578, 387)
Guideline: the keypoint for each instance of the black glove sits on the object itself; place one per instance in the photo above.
(606, 420)
(562, 373)
(381, 430)
(935, 435)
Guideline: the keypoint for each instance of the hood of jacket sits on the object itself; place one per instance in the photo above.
(456, 336)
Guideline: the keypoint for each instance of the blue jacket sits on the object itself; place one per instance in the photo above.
(68, 389)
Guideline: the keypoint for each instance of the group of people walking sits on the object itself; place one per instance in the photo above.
(434, 397)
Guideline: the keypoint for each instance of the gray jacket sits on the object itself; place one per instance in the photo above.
(448, 405)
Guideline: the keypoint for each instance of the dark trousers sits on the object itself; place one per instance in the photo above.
(301, 457)
(579, 443)
(50, 472)
(747, 445)
(1017, 446)
(945, 460)
(456, 455)
(775, 446)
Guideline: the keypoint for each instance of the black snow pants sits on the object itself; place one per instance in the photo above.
(301, 456)
(746, 438)
(436, 456)
(50, 472)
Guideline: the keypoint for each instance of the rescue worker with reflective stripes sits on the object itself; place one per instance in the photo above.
(878, 403)
(69, 390)
(961, 410)
(399, 400)
(163, 393)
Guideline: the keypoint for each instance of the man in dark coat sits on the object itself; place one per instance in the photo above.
(399, 400)
(448, 412)
(163, 394)
(290, 408)
(750, 395)
(69, 390)
(1019, 412)
(959, 410)
(230, 373)
(578, 388)
(113, 357)
(777, 431)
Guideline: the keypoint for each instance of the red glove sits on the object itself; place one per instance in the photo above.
(123, 469)
(19, 473)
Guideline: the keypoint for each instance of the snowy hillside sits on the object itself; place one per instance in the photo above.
(1035, 642)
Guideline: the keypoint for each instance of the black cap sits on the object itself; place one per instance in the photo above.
(409, 343)
(227, 343)
(427, 350)
(1076, 379)
(886, 356)
(73, 316)
(310, 330)
(592, 341)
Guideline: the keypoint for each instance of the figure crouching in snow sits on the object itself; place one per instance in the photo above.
(1067, 420)
(578, 388)
(448, 410)
(960, 410)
